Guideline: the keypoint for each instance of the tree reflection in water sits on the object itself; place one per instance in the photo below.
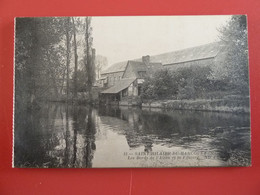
(90, 137)
(62, 135)
(225, 133)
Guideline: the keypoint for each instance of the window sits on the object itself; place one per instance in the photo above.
(125, 92)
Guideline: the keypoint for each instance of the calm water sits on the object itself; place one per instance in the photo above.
(64, 136)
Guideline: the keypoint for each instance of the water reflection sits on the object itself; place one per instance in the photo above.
(79, 136)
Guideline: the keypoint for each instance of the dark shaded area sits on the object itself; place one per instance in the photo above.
(48, 137)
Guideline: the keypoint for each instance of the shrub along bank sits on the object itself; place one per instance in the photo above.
(220, 105)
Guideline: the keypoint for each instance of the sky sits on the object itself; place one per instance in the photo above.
(130, 37)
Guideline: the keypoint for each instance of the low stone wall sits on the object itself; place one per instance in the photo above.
(220, 105)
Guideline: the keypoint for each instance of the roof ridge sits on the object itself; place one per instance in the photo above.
(185, 49)
(135, 61)
(113, 68)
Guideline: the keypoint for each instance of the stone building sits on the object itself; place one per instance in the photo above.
(124, 79)
(128, 84)
(203, 55)
(111, 75)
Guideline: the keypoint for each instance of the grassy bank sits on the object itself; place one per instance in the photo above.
(219, 105)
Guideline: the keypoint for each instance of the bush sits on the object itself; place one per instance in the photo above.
(192, 82)
(161, 85)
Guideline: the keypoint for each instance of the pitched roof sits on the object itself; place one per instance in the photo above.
(138, 66)
(190, 54)
(117, 67)
(155, 66)
(119, 86)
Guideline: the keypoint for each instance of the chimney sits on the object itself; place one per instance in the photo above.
(146, 60)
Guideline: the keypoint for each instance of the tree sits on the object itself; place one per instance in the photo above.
(81, 80)
(68, 38)
(192, 82)
(75, 58)
(185, 83)
(89, 57)
(38, 58)
(234, 66)
(101, 63)
(43, 57)
(160, 85)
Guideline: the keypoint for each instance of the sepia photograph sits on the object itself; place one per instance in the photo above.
(131, 91)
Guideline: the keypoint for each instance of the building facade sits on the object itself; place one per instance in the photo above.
(110, 76)
(128, 83)
(125, 79)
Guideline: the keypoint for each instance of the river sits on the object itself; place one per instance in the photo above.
(82, 136)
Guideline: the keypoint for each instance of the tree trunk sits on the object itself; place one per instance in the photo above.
(76, 61)
(52, 74)
(68, 55)
(63, 78)
(88, 59)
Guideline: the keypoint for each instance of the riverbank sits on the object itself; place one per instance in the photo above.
(231, 104)
(217, 105)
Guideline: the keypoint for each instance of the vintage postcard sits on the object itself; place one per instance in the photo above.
(137, 91)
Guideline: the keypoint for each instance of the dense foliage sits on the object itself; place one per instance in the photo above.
(38, 57)
(160, 85)
(186, 83)
(234, 66)
(229, 75)
(46, 58)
